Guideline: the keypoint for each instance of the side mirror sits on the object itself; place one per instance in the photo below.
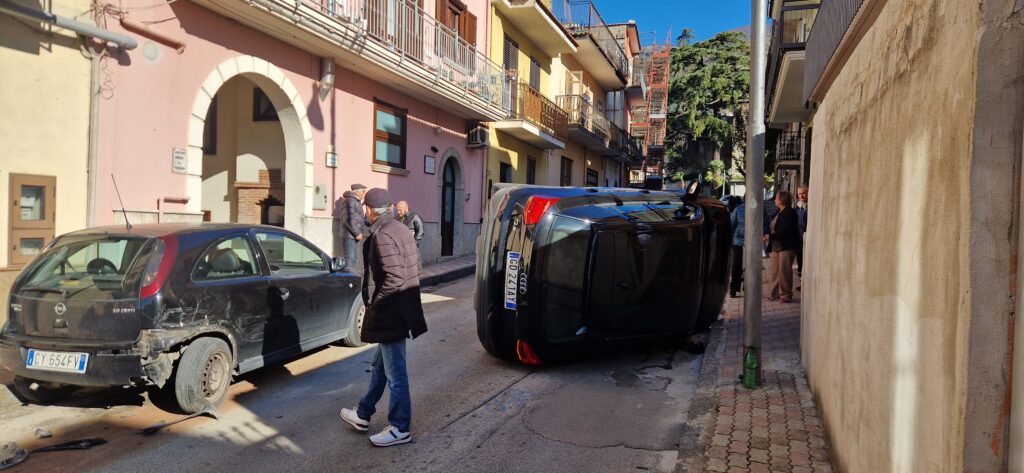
(337, 265)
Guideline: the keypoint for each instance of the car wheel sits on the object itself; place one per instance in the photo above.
(203, 375)
(355, 324)
(38, 392)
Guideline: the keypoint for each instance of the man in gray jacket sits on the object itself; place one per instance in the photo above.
(352, 225)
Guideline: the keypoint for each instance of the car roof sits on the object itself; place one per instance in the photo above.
(156, 230)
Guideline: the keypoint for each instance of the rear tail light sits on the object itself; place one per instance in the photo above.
(159, 266)
(536, 207)
(525, 353)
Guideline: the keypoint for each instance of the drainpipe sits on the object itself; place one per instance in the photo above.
(1016, 450)
(122, 41)
(94, 131)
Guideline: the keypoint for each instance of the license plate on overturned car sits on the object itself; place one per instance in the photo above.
(56, 361)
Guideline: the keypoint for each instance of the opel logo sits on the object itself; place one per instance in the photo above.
(60, 308)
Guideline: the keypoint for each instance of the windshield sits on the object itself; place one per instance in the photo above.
(91, 267)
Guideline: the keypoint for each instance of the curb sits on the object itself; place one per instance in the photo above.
(700, 417)
(457, 273)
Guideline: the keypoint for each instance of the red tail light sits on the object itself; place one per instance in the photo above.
(525, 353)
(536, 207)
(159, 266)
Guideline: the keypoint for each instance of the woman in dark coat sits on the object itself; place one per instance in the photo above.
(784, 240)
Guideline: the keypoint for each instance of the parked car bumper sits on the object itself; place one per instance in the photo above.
(105, 367)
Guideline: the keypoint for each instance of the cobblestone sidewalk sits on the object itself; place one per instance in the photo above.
(776, 427)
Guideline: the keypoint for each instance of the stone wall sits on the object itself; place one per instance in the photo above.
(911, 232)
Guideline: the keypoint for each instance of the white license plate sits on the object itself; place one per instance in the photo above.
(56, 361)
(511, 279)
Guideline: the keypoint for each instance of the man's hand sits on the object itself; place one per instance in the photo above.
(359, 237)
(764, 238)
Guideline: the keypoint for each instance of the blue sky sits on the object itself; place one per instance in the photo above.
(705, 17)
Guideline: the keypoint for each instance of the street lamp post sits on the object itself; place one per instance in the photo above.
(755, 200)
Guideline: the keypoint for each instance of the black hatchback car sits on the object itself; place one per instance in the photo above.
(177, 306)
(563, 271)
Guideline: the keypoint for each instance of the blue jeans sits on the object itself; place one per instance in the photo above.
(351, 247)
(389, 370)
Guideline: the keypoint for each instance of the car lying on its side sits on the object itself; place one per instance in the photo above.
(178, 306)
(562, 271)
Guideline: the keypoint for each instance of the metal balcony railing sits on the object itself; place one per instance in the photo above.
(788, 147)
(583, 115)
(526, 103)
(406, 29)
(638, 77)
(581, 18)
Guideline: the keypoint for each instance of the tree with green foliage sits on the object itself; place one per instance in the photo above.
(708, 94)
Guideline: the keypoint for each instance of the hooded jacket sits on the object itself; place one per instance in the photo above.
(351, 217)
(391, 283)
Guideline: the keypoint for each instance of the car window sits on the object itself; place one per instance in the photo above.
(287, 255)
(92, 267)
(229, 258)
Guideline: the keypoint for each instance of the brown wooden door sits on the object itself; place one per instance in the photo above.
(33, 202)
(448, 209)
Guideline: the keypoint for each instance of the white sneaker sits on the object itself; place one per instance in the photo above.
(350, 416)
(390, 436)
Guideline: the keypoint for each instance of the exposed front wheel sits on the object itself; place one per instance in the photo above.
(355, 324)
(38, 392)
(203, 375)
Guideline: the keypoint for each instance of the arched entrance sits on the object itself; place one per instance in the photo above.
(282, 162)
(451, 187)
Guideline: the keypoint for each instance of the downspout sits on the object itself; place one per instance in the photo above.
(94, 123)
(122, 41)
(1016, 421)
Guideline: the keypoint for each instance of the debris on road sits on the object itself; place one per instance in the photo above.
(208, 411)
(43, 434)
(11, 454)
(82, 444)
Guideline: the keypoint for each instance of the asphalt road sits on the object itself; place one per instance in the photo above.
(620, 412)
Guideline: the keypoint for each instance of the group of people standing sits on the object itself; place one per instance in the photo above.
(390, 236)
(782, 235)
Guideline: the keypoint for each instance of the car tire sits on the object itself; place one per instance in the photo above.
(355, 324)
(35, 392)
(203, 374)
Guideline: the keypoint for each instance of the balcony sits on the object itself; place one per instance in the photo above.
(599, 52)
(533, 18)
(636, 89)
(586, 126)
(788, 149)
(533, 118)
(621, 146)
(393, 42)
(793, 22)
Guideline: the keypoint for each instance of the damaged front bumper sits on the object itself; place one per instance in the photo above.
(145, 361)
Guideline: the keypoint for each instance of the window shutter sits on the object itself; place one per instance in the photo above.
(468, 28)
(511, 60)
(534, 74)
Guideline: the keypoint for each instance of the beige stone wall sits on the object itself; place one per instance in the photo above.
(886, 310)
(45, 127)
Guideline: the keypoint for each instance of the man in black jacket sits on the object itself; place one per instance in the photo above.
(410, 219)
(351, 227)
(784, 240)
(391, 290)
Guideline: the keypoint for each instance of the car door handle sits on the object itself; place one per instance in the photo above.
(284, 293)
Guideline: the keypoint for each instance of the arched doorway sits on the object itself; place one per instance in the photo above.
(294, 143)
(448, 208)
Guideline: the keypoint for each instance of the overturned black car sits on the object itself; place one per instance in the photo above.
(564, 271)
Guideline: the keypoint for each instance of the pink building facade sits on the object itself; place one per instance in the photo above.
(262, 112)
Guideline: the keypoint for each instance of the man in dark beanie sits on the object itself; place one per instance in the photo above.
(391, 291)
(351, 227)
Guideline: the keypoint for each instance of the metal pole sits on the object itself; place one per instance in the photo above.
(754, 200)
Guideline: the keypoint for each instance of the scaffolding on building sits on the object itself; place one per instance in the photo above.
(649, 121)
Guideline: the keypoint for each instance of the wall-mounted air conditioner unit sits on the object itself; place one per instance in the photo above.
(478, 138)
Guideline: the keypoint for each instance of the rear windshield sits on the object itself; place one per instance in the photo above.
(89, 267)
